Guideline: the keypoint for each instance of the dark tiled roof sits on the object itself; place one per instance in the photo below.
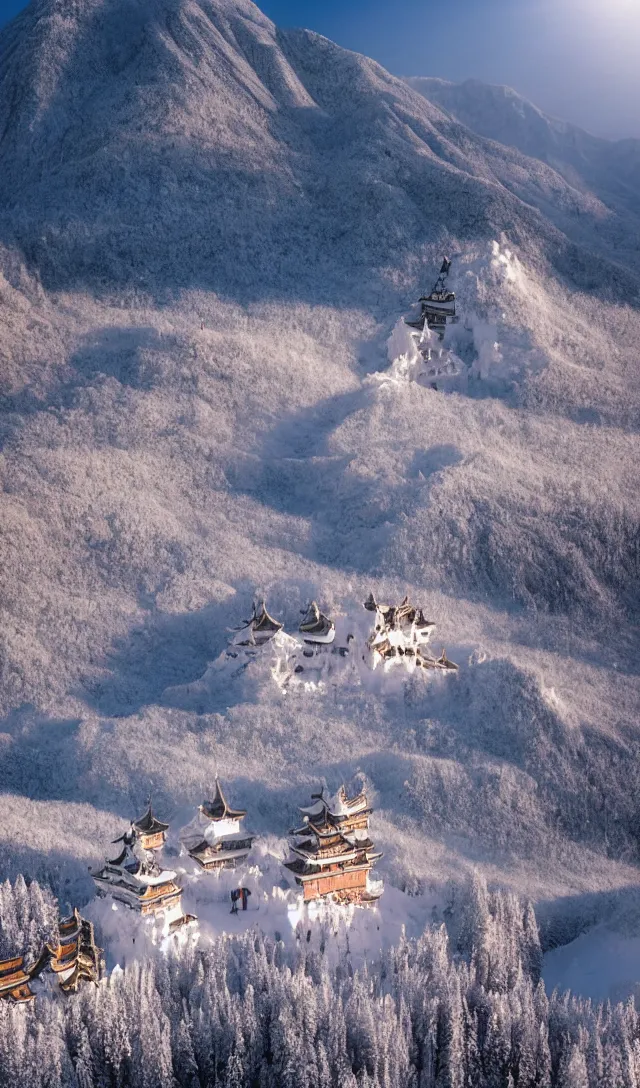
(218, 809)
(149, 825)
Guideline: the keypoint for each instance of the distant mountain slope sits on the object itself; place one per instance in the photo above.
(609, 168)
(189, 143)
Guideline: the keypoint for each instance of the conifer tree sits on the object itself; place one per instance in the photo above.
(572, 1069)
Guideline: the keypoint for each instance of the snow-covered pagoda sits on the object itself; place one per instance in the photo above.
(214, 837)
(17, 978)
(257, 630)
(332, 852)
(400, 635)
(439, 306)
(135, 876)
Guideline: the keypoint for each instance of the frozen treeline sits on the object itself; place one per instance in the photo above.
(462, 1010)
(28, 919)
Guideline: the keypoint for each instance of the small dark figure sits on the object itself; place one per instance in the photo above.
(239, 895)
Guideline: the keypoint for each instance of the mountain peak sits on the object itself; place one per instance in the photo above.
(79, 76)
(147, 140)
(493, 110)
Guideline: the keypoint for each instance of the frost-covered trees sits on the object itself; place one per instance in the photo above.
(28, 919)
(247, 1012)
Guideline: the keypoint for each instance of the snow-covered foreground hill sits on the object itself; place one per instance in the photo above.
(209, 231)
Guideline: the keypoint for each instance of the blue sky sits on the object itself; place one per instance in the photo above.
(576, 59)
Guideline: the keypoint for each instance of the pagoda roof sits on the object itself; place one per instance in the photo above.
(339, 847)
(121, 857)
(14, 973)
(148, 824)
(71, 924)
(205, 853)
(317, 808)
(339, 806)
(326, 833)
(305, 871)
(218, 809)
(7, 967)
(324, 842)
(331, 826)
(65, 957)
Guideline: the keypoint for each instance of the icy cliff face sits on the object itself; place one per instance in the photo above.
(209, 230)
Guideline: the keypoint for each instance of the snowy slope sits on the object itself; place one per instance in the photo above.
(209, 229)
(190, 132)
(590, 163)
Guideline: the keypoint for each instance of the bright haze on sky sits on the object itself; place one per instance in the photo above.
(575, 59)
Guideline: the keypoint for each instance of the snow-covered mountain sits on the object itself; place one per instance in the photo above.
(589, 163)
(189, 131)
(208, 231)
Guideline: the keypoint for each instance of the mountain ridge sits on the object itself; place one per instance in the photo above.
(217, 131)
(500, 113)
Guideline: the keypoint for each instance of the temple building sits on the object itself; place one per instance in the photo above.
(214, 838)
(400, 636)
(137, 879)
(332, 852)
(151, 832)
(16, 979)
(258, 630)
(76, 959)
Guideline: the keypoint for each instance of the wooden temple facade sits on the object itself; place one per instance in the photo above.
(75, 959)
(332, 853)
(16, 978)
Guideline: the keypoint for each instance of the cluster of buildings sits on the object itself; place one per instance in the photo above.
(398, 637)
(331, 856)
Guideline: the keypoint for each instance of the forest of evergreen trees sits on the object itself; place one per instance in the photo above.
(437, 1012)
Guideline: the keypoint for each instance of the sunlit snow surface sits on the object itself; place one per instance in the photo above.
(601, 964)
